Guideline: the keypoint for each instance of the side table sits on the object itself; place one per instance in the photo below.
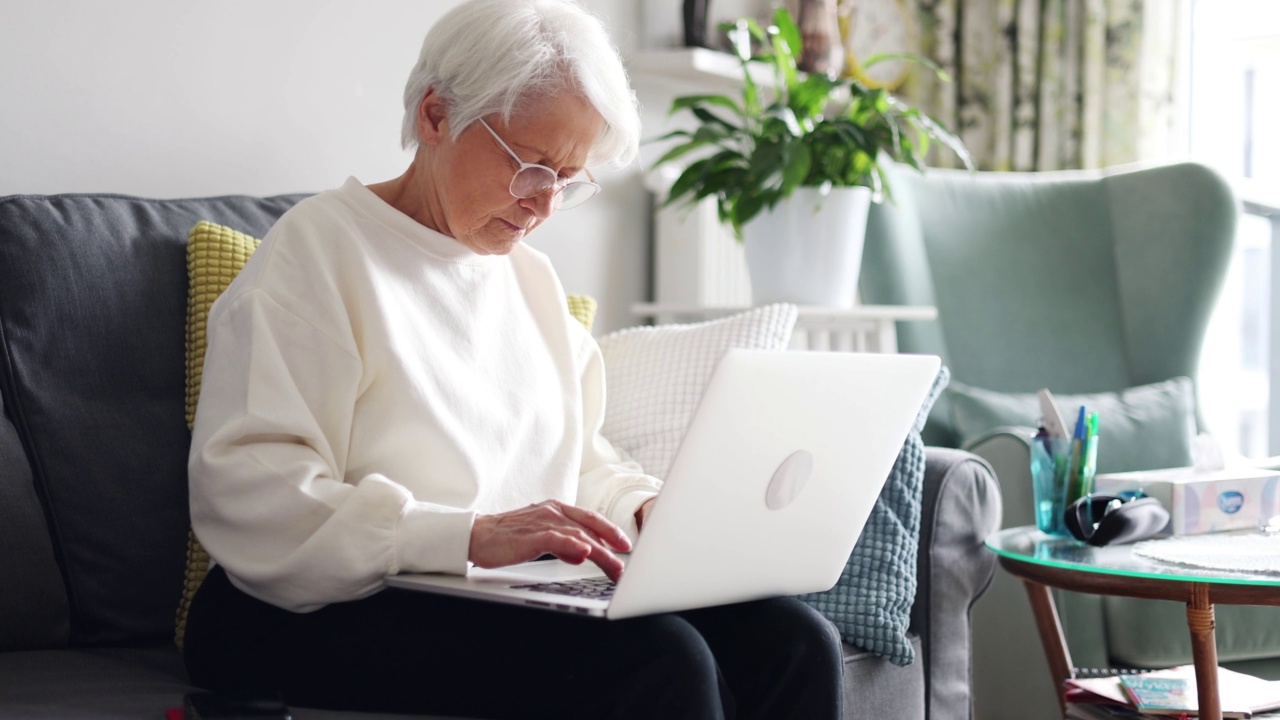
(1043, 561)
(861, 328)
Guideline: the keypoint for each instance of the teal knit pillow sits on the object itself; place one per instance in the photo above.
(871, 602)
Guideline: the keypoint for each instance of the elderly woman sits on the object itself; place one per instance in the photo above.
(394, 384)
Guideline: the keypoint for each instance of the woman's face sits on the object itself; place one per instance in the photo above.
(472, 175)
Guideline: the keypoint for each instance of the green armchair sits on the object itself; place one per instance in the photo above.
(1082, 282)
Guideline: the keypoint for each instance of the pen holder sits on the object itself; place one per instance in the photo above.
(1062, 471)
(1051, 482)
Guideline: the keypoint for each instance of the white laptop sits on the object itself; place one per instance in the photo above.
(773, 482)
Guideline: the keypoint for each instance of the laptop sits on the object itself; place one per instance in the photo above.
(770, 488)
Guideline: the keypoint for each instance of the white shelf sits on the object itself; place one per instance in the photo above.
(695, 67)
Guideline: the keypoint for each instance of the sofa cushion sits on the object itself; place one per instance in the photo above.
(97, 683)
(92, 305)
(1142, 428)
(899, 692)
(33, 601)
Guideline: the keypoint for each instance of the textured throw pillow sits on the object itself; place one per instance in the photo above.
(656, 375)
(215, 255)
(583, 309)
(1142, 428)
(871, 602)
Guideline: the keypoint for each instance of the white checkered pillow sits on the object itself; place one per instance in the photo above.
(655, 376)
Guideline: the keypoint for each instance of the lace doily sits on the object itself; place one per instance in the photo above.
(1258, 553)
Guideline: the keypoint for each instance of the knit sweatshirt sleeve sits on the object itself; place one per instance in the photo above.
(268, 499)
(611, 483)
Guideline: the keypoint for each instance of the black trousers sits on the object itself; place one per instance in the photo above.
(410, 652)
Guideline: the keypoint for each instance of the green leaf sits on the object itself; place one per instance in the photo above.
(677, 152)
(692, 101)
(726, 179)
(707, 116)
(670, 135)
(942, 135)
(726, 160)
(785, 62)
(680, 151)
(789, 33)
(880, 101)
(937, 70)
(714, 133)
(767, 161)
(852, 134)
(788, 118)
(799, 160)
(745, 208)
(687, 181)
(809, 98)
(705, 136)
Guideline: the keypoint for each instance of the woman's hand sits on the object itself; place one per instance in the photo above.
(570, 533)
(643, 513)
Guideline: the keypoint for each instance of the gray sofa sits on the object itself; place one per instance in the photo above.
(93, 492)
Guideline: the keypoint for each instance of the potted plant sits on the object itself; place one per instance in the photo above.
(795, 175)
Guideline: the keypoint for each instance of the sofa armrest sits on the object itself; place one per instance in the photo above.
(960, 507)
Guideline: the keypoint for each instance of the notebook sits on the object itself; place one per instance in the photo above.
(769, 490)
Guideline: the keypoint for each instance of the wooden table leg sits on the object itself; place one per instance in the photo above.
(1051, 637)
(1204, 651)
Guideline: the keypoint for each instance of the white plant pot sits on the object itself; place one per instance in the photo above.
(808, 249)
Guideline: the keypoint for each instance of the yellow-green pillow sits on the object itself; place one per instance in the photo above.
(215, 255)
(583, 309)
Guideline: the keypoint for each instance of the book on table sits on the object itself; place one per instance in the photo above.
(1166, 693)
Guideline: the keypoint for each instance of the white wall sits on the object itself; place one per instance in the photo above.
(178, 99)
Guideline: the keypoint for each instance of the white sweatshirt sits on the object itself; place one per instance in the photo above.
(370, 386)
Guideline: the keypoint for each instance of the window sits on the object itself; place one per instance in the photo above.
(1235, 127)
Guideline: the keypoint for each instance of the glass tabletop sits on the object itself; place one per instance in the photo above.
(1027, 544)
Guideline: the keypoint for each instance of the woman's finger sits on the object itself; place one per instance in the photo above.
(576, 547)
(608, 533)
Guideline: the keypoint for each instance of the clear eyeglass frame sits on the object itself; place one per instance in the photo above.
(532, 180)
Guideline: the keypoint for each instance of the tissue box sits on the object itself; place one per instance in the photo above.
(1203, 501)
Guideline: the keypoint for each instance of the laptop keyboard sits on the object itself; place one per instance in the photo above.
(593, 588)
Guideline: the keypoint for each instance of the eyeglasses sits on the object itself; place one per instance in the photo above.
(532, 180)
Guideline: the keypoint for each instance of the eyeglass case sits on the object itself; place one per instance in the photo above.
(1120, 521)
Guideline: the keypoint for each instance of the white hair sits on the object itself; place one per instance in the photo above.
(493, 56)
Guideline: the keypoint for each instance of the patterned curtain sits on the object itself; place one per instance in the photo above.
(1056, 84)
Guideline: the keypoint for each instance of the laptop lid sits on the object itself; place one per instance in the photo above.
(775, 478)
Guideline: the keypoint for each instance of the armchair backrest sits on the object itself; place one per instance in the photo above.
(1083, 281)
